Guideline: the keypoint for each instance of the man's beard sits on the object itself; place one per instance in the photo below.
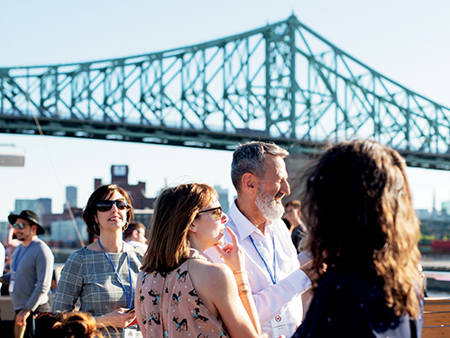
(269, 207)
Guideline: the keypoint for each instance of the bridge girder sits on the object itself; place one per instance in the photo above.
(282, 82)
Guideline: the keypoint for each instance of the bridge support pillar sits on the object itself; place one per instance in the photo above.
(296, 165)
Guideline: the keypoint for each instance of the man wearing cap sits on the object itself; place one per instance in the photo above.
(31, 269)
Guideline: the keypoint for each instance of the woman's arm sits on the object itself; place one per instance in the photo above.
(233, 256)
(245, 294)
(9, 238)
(215, 282)
(69, 285)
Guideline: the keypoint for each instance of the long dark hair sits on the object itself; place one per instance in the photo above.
(358, 208)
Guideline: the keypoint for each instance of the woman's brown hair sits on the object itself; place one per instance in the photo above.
(66, 325)
(98, 195)
(176, 209)
(357, 205)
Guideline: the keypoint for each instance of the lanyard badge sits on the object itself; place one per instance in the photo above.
(129, 296)
(273, 276)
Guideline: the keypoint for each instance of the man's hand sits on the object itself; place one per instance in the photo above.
(309, 270)
(21, 317)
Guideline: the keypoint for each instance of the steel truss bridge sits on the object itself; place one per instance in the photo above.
(282, 82)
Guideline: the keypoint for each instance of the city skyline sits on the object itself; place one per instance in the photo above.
(139, 198)
(98, 158)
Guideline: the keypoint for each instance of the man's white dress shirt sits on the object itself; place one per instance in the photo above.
(279, 305)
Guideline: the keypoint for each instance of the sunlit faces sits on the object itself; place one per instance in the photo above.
(26, 233)
(115, 218)
(272, 188)
(209, 225)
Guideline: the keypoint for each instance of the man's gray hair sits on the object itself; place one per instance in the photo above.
(249, 158)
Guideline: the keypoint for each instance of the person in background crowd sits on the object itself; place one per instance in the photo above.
(135, 236)
(11, 243)
(2, 262)
(179, 292)
(293, 214)
(363, 234)
(66, 325)
(277, 281)
(31, 270)
(103, 274)
(53, 287)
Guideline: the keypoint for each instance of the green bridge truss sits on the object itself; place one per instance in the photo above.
(282, 82)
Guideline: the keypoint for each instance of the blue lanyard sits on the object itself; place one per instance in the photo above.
(20, 255)
(129, 296)
(273, 276)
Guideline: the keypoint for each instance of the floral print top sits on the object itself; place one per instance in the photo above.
(174, 294)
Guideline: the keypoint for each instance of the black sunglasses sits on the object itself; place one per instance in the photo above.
(19, 226)
(107, 205)
(215, 212)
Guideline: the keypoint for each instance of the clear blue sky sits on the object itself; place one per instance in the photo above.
(405, 40)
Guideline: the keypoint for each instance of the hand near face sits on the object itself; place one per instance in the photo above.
(232, 253)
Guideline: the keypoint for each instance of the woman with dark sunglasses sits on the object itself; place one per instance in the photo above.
(179, 292)
(103, 274)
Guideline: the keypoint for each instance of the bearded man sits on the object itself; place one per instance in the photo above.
(31, 271)
(277, 281)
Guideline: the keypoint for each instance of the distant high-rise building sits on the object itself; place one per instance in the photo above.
(434, 210)
(71, 197)
(119, 176)
(64, 230)
(4, 227)
(41, 206)
(45, 205)
(223, 197)
(445, 207)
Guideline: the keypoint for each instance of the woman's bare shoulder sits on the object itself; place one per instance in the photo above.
(208, 274)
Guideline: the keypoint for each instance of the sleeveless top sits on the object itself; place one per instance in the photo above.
(174, 293)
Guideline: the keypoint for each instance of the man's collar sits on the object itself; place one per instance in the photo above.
(242, 224)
